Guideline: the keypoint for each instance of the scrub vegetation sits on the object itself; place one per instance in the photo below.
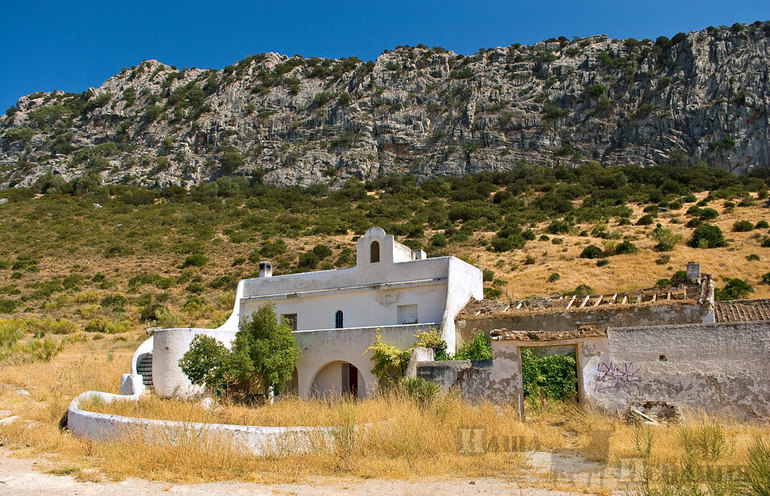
(84, 268)
(112, 259)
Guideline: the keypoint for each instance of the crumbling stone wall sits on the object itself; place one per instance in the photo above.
(603, 317)
(720, 368)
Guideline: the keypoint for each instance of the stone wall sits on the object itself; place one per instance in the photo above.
(721, 369)
(603, 317)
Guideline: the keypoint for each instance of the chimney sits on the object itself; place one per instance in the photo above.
(693, 273)
(265, 269)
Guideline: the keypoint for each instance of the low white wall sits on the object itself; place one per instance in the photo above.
(253, 439)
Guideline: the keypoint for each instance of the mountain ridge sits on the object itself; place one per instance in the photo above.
(699, 98)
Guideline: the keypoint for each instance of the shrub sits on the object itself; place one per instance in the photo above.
(308, 260)
(602, 262)
(663, 259)
(591, 252)
(549, 377)
(555, 276)
(735, 289)
(766, 278)
(625, 248)
(708, 214)
(195, 260)
(488, 275)
(762, 224)
(421, 390)
(664, 282)
(743, 226)
(752, 257)
(478, 349)
(645, 220)
(322, 251)
(581, 291)
(707, 236)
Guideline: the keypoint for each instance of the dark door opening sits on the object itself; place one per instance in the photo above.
(353, 380)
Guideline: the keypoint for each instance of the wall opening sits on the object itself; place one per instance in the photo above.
(549, 374)
(338, 320)
(337, 378)
(406, 314)
(290, 319)
(374, 252)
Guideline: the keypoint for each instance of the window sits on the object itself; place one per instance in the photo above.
(338, 319)
(375, 252)
(407, 314)
(290, 319)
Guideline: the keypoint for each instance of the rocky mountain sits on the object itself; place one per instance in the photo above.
(699, 98)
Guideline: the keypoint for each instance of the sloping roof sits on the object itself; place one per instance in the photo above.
(742, 310)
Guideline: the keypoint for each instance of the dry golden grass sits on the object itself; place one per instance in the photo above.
(403, 439)
(635, 271)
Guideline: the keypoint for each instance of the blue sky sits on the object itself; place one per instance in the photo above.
(72, 44)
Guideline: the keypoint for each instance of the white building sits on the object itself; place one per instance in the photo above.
(336, 315)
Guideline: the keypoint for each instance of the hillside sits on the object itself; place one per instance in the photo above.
(697, 98)
(117, 258)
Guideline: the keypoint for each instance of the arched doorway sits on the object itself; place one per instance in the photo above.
(337, 378)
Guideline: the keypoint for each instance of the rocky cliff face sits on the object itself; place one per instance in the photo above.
(698, 98)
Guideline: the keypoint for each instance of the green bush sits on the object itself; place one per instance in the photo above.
(549, 377)
(735, 289)
(708, 214)
(478, 349)
(743, 226)
(766, 278)
(591, 252)
(421, 390)
(554, 277)
(762, 224)
(707, 236)
(625, 248)
(646, 220)
(264, 351)
(195, 260)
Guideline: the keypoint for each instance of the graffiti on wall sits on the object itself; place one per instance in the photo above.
(616, 376)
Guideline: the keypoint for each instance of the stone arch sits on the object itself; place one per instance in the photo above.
(338, 377)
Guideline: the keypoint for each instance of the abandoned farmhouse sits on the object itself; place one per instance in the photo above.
(674, 347)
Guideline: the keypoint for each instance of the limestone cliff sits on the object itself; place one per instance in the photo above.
(698, 98)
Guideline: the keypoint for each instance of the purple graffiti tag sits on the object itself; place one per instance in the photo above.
(612, 376)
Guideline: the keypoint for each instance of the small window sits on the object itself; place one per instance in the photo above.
(290, 319)
(338, 319)
(407, 314)
(375, 252)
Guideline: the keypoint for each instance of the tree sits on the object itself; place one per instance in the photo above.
(263, 352)
(265, 349)
(207, 363)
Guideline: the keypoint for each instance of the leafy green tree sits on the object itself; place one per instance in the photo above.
(266, 349)
(208, 362)
(264, 352)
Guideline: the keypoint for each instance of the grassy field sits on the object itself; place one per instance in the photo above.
(415, 439)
